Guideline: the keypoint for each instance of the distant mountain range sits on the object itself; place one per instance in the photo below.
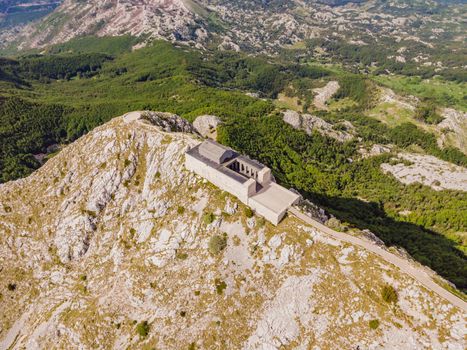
(20, 12)
(259, 26)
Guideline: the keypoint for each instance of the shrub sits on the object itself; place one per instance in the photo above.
(180, 210)
(11, 287)
(142, 328)
(427, 113)
(217, 244)
(220, 286)
(261, 222)
(389, 294)
(374, 324)
(336, 225)
(208, 218)
(181, 255)
(248, 212)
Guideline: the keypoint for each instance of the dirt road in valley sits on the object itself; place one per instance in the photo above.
(405, 266)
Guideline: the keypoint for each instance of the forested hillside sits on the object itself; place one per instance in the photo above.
(59, 97)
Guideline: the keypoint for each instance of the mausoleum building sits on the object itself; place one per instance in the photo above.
(248, 180)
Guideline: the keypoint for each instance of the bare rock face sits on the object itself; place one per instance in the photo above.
(375, 150)
(324, 94)
(206, 125)
(308, 123)
(112, 230)
(293, 118)
(169, 19)
(259, 26)
(454, 127)
(168, 122)
(428, 170)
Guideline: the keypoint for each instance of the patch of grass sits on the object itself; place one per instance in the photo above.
(341, 104)
(445, 93)
(428, 113)
(284, 101)
(391, 114)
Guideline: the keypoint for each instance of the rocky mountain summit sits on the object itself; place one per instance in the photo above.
(113, 244)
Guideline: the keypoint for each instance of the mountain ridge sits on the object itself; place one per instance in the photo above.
(117, 238)
(261, 27)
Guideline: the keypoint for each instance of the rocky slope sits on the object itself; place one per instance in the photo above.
(261, 26)
(342, 132)
(170, 19)
(113, 231)
(427, 170)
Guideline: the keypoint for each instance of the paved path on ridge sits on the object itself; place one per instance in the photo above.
(420, 275)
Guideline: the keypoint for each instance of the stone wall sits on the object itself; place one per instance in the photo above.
(265, 212)
(224, 182)
(264, 176)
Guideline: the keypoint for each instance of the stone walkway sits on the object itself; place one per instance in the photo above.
(420, 275)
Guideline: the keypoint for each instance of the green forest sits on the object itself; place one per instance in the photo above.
(58, 97)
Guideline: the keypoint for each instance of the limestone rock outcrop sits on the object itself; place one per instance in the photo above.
(168, 122)
(308, 123)
(207, 125)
